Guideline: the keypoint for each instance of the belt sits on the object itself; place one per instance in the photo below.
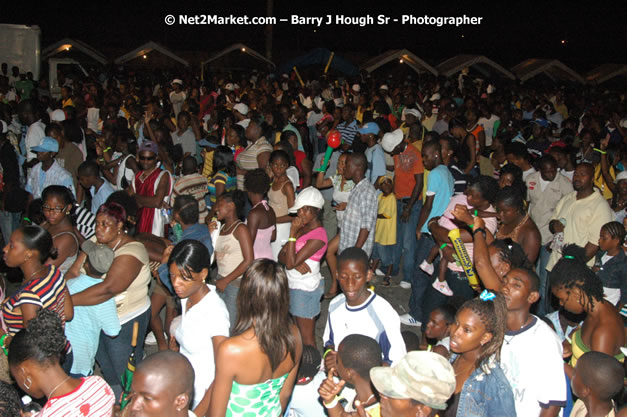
(402, 200)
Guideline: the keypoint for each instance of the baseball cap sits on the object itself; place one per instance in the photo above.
(621, 176)
(370, 127)
(356, 88)
(310, 196)
(391, 140)
(149, 146)
(384, 87)
(229, 87)
(241, 108)
(425, 377)
(100, 256)
(541, 122)
(47, 144)
(177, 81)
(413, 112)
(57, 115)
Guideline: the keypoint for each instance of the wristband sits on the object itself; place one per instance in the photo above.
(443, 246)
(479, 229)
(292, 239)
(602, 152)
(27, 219)
(3, 340)
(107, 149)
(471, 225)
(326, 352)
(476, 212)
(333, 402)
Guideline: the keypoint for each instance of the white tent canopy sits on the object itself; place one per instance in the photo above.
(406, 56)
(68, 44)
(606, 72)
(147, 48)
(552, 68)
(455, 64)
(241, 47)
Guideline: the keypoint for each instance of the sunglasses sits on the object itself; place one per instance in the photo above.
(147, 158)
(53, 209)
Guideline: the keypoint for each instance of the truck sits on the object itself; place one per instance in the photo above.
(21, 47)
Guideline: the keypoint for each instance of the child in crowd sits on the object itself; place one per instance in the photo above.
(439, 329)
(597, 379)
(610, 265)
(305, 401)
(357, 355)
(83, 331)
(385, 232)
(222, 179)
(360, 311)
(280, 197)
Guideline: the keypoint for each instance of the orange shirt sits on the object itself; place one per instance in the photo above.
(406, 165)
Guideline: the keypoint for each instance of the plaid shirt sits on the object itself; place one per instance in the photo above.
(360, 213)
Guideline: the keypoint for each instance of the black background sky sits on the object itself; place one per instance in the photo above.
(595, 33)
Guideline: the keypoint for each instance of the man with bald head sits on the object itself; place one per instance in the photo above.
(360, 217)
(580, 215)
(163, 386)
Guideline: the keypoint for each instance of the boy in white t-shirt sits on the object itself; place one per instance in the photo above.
(360, 311)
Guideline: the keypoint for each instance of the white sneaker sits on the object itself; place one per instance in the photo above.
(405, 284)
(379, 272)
(408, 320)
(150, 339)
(443, 288)
(427, 267)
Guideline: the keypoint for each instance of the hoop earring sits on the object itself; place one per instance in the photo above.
(30, 382)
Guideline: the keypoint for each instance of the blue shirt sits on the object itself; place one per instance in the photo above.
(100, 197)
(440, 184)
(376, 163)
(486, 394)
(83, 331)
(199, 232)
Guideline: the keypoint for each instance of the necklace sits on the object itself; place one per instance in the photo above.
(117, 244)
(57, 387)
(33, 274)
(230, 228)
(507, 342)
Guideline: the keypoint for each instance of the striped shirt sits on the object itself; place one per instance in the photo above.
(196, 186)
(85, 222)
(221, 177)
(47, 292)
(348, 131)
(92, 398)
(461, 179)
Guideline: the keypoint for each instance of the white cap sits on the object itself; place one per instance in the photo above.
(391, 140)
(177, 81)
(57, 116)
(384, 87)
(310, 196)
(229, 87)
(413, 112)
(241, 108)
(318, 101)
(356, 88)
(435, 96)
(4, 128)
(621, 176)
(307, 102)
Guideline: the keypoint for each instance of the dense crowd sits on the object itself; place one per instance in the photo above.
(500, 207)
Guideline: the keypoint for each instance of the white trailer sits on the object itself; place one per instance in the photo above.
(21, 47)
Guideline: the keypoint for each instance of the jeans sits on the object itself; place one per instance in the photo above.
(420, 281)
(229, 296)
(543, 305)
(8, 223)
(385, 253)
(113, 352)
(406, 239)
(434, 299)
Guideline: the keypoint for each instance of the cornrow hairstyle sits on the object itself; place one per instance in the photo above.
(572, 272)
(512, 253)
(309, 362)
(43, 341)
(493, 315)
(616, 230)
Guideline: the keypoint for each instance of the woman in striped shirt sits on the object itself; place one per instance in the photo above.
(43, 286)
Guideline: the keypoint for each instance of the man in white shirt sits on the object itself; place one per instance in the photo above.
(177, 96)
(517, 154)
(488, 121)
(184, 135)
(29, 116)
(544, 190)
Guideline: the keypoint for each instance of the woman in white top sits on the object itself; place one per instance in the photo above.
(204, 319)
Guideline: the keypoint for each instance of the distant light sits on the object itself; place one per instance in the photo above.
(401, 60)
(462, 36)
(315, 30)
(144, 56)
(563, 42)
(243, 49)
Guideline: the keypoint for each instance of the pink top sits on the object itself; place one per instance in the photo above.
(316, 234)
(261, 245)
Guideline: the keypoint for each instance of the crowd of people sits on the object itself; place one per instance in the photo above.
(198, 216)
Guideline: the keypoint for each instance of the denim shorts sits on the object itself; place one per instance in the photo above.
(385, 253)
(306, 304)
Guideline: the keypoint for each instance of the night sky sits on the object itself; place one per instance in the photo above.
(593, 34)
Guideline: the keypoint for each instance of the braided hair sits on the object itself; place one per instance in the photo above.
(512, 253)
(493, 315)
(616, 230)
(572, 272)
